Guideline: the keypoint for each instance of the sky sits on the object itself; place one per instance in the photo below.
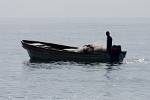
(74, 8)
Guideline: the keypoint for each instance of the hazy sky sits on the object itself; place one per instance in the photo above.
(74, 8)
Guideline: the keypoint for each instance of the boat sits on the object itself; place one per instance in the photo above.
(38, 50)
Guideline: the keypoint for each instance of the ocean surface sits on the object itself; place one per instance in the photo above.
(21, 79)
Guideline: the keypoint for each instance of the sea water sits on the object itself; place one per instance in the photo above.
(21, 79)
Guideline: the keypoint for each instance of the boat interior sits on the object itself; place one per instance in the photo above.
(52, 46)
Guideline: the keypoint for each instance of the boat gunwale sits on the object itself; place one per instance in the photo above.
(33, 47)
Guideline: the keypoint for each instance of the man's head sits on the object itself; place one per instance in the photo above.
(107, 33)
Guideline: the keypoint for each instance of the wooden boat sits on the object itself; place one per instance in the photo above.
(54, 52)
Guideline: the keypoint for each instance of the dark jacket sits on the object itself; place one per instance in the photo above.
(109, 42)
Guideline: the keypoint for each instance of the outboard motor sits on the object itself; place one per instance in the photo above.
(115, 52)
(116, 49)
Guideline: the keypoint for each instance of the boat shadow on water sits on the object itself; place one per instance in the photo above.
(46, 64)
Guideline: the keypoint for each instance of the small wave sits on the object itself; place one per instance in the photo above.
(136, 61)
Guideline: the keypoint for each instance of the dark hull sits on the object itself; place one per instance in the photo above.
(59, 54)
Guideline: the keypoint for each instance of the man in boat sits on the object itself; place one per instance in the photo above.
(109, 41)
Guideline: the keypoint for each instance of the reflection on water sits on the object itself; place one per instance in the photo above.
(99, 81)
(75, 80)
(103, 78)
(61, 64)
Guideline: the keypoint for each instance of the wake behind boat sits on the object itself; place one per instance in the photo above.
(38, 50)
